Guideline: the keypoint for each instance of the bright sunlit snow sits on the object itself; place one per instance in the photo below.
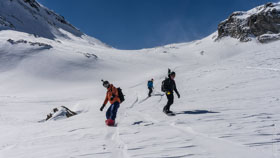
(229, 105)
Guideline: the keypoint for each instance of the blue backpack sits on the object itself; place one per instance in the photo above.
(150, 84)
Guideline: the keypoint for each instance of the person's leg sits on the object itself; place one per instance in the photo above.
(114, 110)
(167, 104)
(164, 108)
(108, 112)
(170, 101)
(150, 91)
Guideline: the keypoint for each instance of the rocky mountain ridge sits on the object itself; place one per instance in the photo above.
(262, 22)
(31, 17)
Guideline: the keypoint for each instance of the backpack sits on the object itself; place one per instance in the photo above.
(150, 84)
(121, 96)
(164, 85)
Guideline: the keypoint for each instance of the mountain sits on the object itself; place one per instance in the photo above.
(30, 17)
(262, 22)
(229, 105)
(27, 29)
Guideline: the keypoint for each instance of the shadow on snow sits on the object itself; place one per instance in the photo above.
(195, 112)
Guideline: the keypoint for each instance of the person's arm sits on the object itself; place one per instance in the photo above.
(175, 89)
(104, 103)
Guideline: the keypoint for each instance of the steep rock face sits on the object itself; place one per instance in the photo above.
(33, 4)
(262, 22)
(31, 17)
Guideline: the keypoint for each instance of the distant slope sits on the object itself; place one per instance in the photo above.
(229, 105)
(31, 17)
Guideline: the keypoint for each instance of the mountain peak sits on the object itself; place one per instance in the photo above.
(262, 22)
(31, 17)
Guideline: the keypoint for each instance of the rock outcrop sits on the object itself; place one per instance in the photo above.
(262, 23)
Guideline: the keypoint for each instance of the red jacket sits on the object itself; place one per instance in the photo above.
(112, 95)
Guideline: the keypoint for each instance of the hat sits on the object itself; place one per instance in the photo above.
(106, 84)
(172, 73)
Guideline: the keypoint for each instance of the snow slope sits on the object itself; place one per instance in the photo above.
(229, 105)
(31, 17)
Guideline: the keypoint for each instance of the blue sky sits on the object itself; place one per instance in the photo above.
(136, 24)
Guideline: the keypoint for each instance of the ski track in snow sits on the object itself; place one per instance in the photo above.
(229, 105)
(229, 147)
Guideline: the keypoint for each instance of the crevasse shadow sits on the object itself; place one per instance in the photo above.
(195, 112)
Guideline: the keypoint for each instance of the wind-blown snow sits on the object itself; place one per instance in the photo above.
(229, 105)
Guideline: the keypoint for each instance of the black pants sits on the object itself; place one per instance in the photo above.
(150, 91)
(170, 100)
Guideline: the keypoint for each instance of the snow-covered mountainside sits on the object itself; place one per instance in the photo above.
(31, 17)
(262, 22)
(229, 105)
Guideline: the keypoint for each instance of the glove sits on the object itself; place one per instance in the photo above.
(178, 95)
(168, 93)
(102, 107)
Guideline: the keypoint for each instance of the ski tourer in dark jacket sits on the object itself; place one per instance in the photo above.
(170, 87)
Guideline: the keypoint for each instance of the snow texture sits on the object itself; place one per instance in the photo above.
(229, 105)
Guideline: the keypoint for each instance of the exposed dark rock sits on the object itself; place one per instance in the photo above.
(89, 55)
(43, 45)
(61, 19)
(33, 4)
(268, 38)
(254, 23)
(5, 23)
(61, 112)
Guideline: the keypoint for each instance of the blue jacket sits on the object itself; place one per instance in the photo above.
(150, 84)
